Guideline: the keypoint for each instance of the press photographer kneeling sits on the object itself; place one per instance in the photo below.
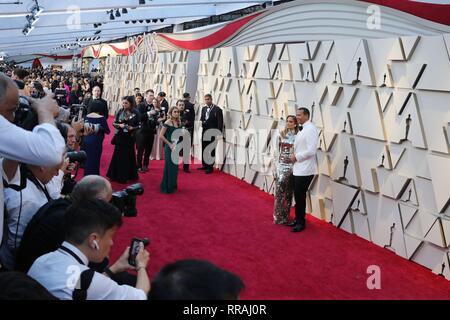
(45, 232)
(90, 227)
(27, 189)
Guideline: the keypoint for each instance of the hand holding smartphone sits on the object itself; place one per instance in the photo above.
(134, 249)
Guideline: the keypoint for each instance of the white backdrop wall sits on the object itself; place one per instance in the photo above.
(395, 191)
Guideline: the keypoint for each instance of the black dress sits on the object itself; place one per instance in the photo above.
(93, 145)
(123, 163)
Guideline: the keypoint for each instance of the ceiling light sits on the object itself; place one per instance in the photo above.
(98, 31)
(148, 20)
(117, 14)
(141, 1)
(134, 21)
(155, 20)
(111, 15)
(127, 22)
(141, 21)
(162, 20)
(124, 10)
(95, 25)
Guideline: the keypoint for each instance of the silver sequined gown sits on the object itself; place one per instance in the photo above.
(284, 179)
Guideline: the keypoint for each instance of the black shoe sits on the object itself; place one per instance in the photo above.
(208, 171)
(141, 170)
(202, 168)
(187, 171)
(291, 224)
(298, 228)
(145, 169)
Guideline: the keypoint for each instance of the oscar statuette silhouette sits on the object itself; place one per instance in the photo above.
(389, 246)
(358, 70)
(229, 69)
(343, 178)
(384, 81)
(381, 165)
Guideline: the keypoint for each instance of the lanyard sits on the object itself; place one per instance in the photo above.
(72, 254)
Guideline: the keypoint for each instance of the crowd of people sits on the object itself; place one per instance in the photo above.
(56, 232)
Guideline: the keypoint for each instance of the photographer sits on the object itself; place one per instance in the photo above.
(45, 232)
(27, 190)
(90, 227)
(123, 162)
(43, 146)
(145, 136)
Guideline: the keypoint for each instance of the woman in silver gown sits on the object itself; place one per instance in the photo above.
(284, 180)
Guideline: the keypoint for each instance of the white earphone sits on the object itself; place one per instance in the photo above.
(96, 244)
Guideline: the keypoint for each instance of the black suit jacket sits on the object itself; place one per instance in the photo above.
(215, 119)
(165, 106)
(188, 116)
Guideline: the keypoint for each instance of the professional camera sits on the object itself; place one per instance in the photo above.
(125, 200)
(25, 117)
(76, 156)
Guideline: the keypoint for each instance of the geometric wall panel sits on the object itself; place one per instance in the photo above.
(409, 45)
(343, 197)
(344, 166)
(435, 113)
(405, 124)
(428, 255)
(369, 158)
(388, 135)
(440, 174)
(437, 73)
(365, 115)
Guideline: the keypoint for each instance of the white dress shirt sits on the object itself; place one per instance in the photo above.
(21, 208)
(59, 273)
(44, 146)
(305, 148)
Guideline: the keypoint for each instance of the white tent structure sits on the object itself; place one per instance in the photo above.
(30, 27)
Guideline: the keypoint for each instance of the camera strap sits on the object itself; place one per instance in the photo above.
(24, 172)
(80, 291)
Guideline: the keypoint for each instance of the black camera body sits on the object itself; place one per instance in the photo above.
(78, 111)
(134, 249)
(125, 200)
(25, 116)
(76, 156)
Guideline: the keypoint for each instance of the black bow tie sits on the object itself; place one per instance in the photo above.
(300, 128)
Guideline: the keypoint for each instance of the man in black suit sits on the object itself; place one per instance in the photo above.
(187, 120)
(146, 134)
(97, 99)
(212, 119)
(163, 102)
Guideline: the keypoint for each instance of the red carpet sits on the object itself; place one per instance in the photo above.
(224, 220)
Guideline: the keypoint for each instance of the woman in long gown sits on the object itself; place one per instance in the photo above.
(170, 138)
(123, 163)
(284, 179)
(158, 148)
(93, 143)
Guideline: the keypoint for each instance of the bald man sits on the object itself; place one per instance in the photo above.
(45, 232)
(97, 100)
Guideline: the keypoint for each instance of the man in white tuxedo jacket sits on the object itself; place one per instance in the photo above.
(305, 166)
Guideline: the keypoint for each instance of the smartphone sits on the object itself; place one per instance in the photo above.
(134, 249)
